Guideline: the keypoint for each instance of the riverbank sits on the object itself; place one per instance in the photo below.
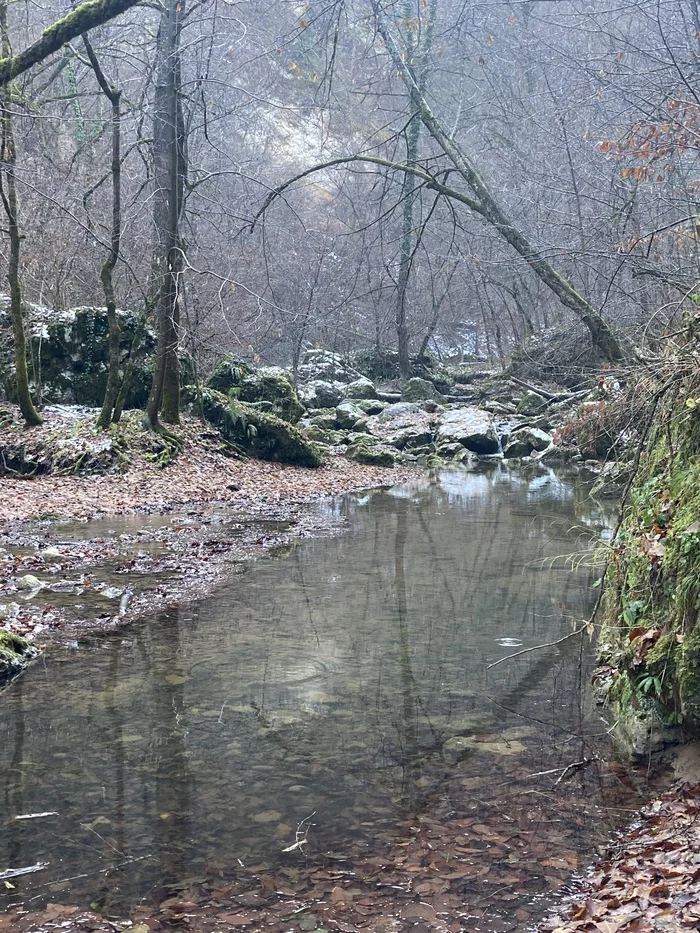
(81, 553)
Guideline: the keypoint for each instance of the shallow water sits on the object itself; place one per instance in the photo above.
(333, 695)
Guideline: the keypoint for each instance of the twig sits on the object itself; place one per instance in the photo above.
(301, 835)
(549, 644)
(16, 872)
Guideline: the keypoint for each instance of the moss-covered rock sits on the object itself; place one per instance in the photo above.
(68, 354)
(417, 389)
(649, 647)
(372, 454)
(268, 386)
(259, 433)
(15, 653)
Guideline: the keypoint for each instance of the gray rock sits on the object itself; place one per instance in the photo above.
(470, 427)
(326, 366)
(361, 388)
(371, 406)
(416, 389)
(29, 582)
(464, 457)
(349, 416)
(312, 432)
(320, 394)
(356, 437)
(322, 418)
(531, 404)
(402, 425)
(524, 441)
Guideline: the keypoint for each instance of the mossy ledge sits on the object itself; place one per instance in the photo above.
(15, 654)
(649, 646)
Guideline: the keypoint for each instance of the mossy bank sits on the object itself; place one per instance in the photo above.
(649, 648)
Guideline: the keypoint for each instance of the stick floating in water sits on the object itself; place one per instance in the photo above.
(16, 872)
(37, 816)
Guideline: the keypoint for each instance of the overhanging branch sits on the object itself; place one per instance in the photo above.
(429, 180)
(84, 17)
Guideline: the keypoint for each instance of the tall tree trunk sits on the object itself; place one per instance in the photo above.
(169, 170)
(8, 193)
(406, 248)
(114, 97)
(416, 56)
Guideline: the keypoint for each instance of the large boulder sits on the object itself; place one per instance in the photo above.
(71, 348)
(402, 425)
(372, 454)
(531, 404)
(470, 427)
(417, 389)
(350, 417)
(523, 441)
(361, 388)
(267, 386)
(319, 393)
(259, 433)
(382, 364)
(326, 365)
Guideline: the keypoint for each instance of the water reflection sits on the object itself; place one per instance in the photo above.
(345, 684)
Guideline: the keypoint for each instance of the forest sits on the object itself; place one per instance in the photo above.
(349, 465)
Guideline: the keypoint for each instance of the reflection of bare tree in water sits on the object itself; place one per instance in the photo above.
(408, 729)
(14, 781)
(173, 784)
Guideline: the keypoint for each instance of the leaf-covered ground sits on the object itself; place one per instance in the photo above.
(650, 880)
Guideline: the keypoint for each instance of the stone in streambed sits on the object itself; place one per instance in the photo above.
(417, 389)
(523, 441)
(15, 653)
(319, 393)
(372, 455)
(402, 425)
(350, 417)
(361, 388)
(470, 427)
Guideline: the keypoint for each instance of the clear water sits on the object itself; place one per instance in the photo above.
(341, 691)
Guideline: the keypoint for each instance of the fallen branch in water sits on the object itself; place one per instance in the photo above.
(302, 835)
(574, 766)
(16, 872)
(549, 644)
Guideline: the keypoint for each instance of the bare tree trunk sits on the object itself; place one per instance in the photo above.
(8, 193)
(169, 175)
(406, 249)
(416, 54)
(114, 97)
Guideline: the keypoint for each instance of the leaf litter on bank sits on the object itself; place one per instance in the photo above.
(650, 881)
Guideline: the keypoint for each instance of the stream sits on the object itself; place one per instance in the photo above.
(330, 714)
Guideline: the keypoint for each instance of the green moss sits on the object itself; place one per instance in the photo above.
(651, 636)
(257, 432)
(267, 385)
(15, 653)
